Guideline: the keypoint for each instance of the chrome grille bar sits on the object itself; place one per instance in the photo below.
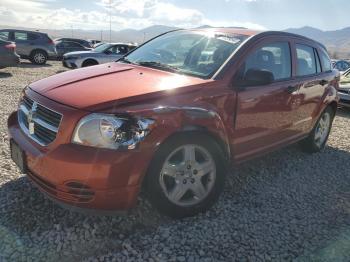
(39, 122)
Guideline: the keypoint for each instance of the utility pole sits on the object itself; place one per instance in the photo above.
(110, 21)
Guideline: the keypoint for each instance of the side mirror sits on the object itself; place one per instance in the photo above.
(257, 77)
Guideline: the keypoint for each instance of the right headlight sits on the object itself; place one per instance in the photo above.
(109, 131)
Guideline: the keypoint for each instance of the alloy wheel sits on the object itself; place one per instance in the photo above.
(39, 58)
(188, 175)
(322, 129)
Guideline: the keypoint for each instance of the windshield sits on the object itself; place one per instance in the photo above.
(192, 53)
(102, 48)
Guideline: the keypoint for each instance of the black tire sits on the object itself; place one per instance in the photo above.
(38, 57)
(154, 190)
(310, 144)
(89, 62)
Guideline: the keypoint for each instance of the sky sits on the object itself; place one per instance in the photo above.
(138, 14)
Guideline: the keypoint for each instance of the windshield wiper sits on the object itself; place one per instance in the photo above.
(125, 60)
(159, 65)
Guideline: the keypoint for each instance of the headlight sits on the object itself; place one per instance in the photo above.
(108, 131)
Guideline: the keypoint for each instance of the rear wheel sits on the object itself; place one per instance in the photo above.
(89, 62)
(317, 139)
(38, 57)
(186, 175)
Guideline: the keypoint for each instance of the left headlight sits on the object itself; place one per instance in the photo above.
(109, 131)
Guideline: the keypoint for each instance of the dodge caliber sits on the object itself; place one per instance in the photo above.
(171, 117)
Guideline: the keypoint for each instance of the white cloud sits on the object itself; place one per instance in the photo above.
(125, 14)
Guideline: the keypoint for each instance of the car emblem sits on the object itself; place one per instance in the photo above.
(30, 117)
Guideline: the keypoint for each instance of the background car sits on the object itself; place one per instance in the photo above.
(94, 42)
(342, 65)
(8, 56)
(77, 40)
(344, 89)
(64, 47)
(36, 46)
(102, 54)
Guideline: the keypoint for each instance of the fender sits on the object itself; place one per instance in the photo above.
(174, 119)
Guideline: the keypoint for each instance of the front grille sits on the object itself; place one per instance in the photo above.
(38, 122)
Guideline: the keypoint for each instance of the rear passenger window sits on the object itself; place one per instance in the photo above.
(273, 57)
(21, 36)
(306, 63)
(32, 37)
(326, 61)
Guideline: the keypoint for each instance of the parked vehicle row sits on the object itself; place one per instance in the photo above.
(39, 47)
(36, 46)
(171, 116)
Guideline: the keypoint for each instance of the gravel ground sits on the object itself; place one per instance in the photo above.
(282, 207)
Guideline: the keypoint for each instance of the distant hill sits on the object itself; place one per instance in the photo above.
(337, 41)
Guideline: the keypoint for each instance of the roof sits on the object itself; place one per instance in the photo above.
(231, 30)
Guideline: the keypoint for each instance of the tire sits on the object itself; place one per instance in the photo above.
(318, 137)
(38, 57)
(89, 62)
(161, 180)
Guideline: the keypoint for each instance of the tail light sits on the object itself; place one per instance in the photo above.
(51, 42)
(11, 47)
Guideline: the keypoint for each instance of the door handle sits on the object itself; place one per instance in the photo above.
(292, 89)
(323, 82)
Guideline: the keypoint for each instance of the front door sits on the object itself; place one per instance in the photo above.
(265, 112)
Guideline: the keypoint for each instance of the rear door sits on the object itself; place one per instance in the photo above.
(312, 81)
(22, 43)
(264, 116)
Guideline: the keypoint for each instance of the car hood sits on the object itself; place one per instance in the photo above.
(112, 84)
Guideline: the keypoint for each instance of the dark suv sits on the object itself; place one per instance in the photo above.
(35, 46)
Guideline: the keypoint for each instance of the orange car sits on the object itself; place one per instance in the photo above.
(171, 117)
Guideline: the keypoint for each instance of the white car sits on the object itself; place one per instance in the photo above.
(104, 53)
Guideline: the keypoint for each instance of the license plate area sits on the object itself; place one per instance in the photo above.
(18, 156)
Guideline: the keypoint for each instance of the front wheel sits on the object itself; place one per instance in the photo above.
(318, 137)
(186, 175)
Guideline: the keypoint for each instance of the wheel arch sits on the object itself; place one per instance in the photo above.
(38, 49)
(187, 125)
(87, 60)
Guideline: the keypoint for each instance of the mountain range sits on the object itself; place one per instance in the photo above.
(336, 41)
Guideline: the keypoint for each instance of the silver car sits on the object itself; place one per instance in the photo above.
(36, 46)
(104, 53)
(344, 89)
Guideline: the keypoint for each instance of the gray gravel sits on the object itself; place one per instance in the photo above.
(285, 206)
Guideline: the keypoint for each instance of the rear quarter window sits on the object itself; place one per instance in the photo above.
(325, 61)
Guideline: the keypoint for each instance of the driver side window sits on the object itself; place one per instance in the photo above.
(273, 57)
